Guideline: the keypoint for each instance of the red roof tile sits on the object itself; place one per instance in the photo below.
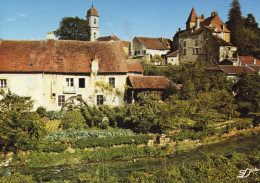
(173, 54)
(214, 21)
(193, 16)
(108, 38)
(149, 82)
(134, 65)
(155, 43)
(230, 69)
(248, 60)
(60, 56)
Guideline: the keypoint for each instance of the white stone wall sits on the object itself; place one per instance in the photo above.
(94, 27)
(173, 60)
(45, 88)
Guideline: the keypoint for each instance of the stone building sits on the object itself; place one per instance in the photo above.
(205, 39)
(53, 71)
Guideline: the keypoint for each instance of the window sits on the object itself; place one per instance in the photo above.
(196, 51)
(61, 100)
(100, 100)
(135, 52)
(70, 82)
(95, 35)
(112, 82)
(3, 83)
(184, 51)
(196, 42)
(81, 82)
(144, 52)
(138, 52)
(184, 43)
(95, 21)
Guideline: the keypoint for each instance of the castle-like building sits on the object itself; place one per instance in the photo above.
(204, 39)
(93, 19)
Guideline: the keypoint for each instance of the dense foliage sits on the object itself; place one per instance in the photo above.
(18, 126)
(73, 29)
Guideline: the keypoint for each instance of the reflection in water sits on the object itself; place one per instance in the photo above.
(124, 168)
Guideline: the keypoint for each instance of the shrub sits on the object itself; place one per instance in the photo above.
(41, 111)
(73, 120)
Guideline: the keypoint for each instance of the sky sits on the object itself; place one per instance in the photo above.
(32, 19)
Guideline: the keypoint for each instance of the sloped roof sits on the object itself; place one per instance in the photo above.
(155, 43)
(255, 67)
(149, 82)
(248, 60)
(230, 69)
(61, 56)
(126, 43)
(215, 21)
(189, 32)
(173, 54)
(108, 38)
(221, 41)
(134, 65)
(193, 16)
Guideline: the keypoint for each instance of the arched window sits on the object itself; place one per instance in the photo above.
(95, 21)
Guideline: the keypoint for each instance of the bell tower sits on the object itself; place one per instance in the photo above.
(92, 18)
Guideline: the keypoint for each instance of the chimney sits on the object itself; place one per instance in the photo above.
(254, 61)
(50, 35)
(197, 23)
(202, 16)
(94, 66)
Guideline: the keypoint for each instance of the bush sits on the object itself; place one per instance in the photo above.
(41, 111)
(55, 115)
(73, 120)
(110, 141)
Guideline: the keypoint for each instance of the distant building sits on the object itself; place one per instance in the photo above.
(146, 48)
(125, 44)
(173, 58)
(93, 19)
(204, 39)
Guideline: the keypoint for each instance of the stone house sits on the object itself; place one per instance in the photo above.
(204, 39)
(144, 47)
(52, 72)
(173, 58)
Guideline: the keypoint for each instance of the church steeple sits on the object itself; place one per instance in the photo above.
(92, 18)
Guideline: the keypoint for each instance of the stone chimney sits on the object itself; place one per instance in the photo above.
(203, 17)
(254, 61)
(94, 66)
(197, 23)
(50, 35)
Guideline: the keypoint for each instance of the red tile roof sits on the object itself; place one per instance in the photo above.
(255, 67)
(149, 82)
(193, 16)
(155, 43)
(126, 43)
(189, 32)
(173, 54)
(134, 65)
(215, 21)
(109, 38)
(230, 69)
(248, 60)
(60, 56)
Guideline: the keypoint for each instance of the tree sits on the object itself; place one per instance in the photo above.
(247, 93)
(250, 21)
(73, 29)
(188, 90)
(157, 59)
(235, 24)
(18, 127)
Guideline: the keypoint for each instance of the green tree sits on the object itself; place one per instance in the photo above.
(235, 24)
(18, 127)
(247, 93)
(157, 59)
(188, 90)
(73, 29)
(251, 22)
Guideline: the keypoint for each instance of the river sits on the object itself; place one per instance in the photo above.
(124, 168)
